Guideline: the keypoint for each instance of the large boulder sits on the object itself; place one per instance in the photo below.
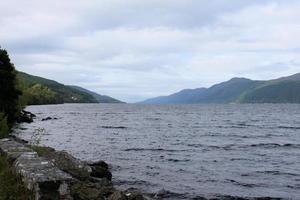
(100, 163)
(69, 164)
(86, 190)
(26, 117)
(100, 170)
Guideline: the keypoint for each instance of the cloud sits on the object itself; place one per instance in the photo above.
(137, 49)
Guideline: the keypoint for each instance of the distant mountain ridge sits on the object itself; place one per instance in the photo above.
(238, 90)
(37, 90)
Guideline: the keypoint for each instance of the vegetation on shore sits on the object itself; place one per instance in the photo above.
(11, 186)
(10, 106)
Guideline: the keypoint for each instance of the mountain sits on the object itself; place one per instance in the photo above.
(98, 97)
(182, 97)
(276, 92)
(37, 90)
(238, 90)
(295, 77)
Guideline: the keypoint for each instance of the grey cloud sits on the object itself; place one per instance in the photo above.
(136, 49)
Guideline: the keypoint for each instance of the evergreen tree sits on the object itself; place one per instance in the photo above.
(8, 92)
(4, 130)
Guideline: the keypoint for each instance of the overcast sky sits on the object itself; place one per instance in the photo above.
(136, 49)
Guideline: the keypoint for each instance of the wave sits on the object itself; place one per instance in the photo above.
(153, 149)
(275, 172)
(177, 160)
(289, 127)
(114, 127)
(273, 145)
(249, 185)
(229, 197)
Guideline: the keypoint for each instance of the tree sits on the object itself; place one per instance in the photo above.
(4, 130)
(9, 93)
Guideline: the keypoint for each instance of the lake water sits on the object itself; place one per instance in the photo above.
(188, 150)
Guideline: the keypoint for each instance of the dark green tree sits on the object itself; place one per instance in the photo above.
(8, 91)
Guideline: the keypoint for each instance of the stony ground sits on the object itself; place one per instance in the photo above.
(54, 175)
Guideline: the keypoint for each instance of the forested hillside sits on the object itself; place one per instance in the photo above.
(277, 92)
(99, 98)
(37, 90)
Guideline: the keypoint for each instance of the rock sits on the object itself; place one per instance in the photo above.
(82, 191)
(88, 190)
(47, 118)
(29, 113)
(107, 191)
(100, 163)
(26, 117)
(101, 172)
(118, 195)
(69, 164)
(105, 187)
(38, 174)
(135, 196)
(162, 194)
(103, 181)
(199, 198)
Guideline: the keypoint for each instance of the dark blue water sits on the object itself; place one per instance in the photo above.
(188, 150)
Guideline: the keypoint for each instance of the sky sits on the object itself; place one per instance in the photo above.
(136, 49)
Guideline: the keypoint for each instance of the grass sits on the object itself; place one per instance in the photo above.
(41, 151)
(11, 186)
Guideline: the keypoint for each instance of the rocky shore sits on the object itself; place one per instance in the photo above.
(52, 174)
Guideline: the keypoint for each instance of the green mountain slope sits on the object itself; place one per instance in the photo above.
(38, 90)
(276, 92)
(239, 90)
(228, 91)
(98, 97)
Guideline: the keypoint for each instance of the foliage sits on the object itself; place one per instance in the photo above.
(36, 137)
(4, 129)
(8, 91)
(11, 186)
(39, 94)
